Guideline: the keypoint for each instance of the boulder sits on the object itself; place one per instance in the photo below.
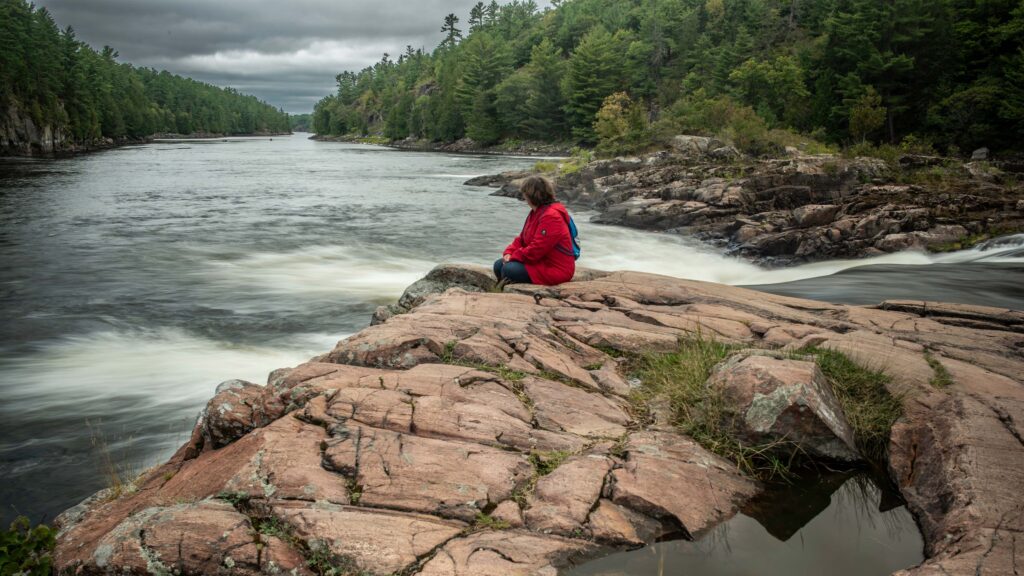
(695, 145)
(980, 154)
(206, 537)
(787, 401)
(237, 408)
(815, 215)
(444, 276)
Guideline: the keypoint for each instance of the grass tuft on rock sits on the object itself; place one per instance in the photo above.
(677, 383)
(488, 522)
(863, 393)
(942, 377)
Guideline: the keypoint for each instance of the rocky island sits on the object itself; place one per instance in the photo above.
(479, 433)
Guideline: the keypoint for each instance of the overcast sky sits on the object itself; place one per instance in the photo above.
(284, 52)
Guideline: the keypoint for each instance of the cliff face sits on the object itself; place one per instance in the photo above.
(20, 135)
(480, 433)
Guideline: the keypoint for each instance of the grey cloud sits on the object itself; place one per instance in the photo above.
(286, 53)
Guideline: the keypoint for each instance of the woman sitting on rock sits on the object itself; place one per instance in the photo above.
(543, 252)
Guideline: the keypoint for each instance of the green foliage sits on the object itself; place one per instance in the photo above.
(323, 562)
(867, 115)
(27, 550)
(845, 71)
(594, 73)
(546, 462)
(63, 83)
(869, 406)
(487, 522)
(942, 377)
(621, 126)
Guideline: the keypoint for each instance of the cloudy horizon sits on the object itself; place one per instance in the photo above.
(287, 54)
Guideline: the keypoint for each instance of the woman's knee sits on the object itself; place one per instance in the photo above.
(516, 272)
(498, 265)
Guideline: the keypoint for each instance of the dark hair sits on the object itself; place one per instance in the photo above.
(538, 190)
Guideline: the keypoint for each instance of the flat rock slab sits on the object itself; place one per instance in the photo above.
(569, 409)
(562, 500)
(669, 476)
(509, 553)
(207, 537)
(446, 478)
(375, 541)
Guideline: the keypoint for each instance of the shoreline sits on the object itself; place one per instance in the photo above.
(465, 146)
(797, 209)
(110, 144)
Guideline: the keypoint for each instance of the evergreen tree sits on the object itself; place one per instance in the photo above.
(452, 33)
(476, 16)
(594, 73)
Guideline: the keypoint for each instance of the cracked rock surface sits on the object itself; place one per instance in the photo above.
(415, 446)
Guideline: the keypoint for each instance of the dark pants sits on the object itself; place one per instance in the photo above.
(513, 271)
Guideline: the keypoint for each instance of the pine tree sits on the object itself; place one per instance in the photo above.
(546, 102)
(452, 33)
(594, 73)
(476, 16)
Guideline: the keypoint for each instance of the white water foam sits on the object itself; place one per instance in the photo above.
(617, 248)
(150, 365)
(375, 274)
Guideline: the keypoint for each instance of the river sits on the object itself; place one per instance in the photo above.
(135, 280)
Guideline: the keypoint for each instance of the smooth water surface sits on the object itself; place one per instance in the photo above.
(839, 525)
(133, 281)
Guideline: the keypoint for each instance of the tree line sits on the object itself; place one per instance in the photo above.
(624, 74)
(59, 81)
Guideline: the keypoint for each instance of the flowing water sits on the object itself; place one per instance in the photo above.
(133, 281)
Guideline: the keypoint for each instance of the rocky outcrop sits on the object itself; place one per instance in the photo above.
(486, 433)
(23, 135)
(794, 209)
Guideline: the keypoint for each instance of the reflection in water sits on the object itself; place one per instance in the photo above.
(837, 524)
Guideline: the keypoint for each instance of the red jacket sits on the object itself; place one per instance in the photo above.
(545, 246)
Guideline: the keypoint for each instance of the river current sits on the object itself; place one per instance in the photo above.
(133, 281)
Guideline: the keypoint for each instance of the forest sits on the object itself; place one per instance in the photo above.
(625, 75)
(57, 80)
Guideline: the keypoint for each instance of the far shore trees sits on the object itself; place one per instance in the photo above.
(51, 77)
(946, 73)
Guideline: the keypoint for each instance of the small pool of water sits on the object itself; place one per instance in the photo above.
(838, 524)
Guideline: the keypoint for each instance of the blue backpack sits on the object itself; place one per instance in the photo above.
(574, 234)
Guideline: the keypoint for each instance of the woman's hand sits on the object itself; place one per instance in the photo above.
(506, 258)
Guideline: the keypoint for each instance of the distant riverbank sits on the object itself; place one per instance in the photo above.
(462, 146)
